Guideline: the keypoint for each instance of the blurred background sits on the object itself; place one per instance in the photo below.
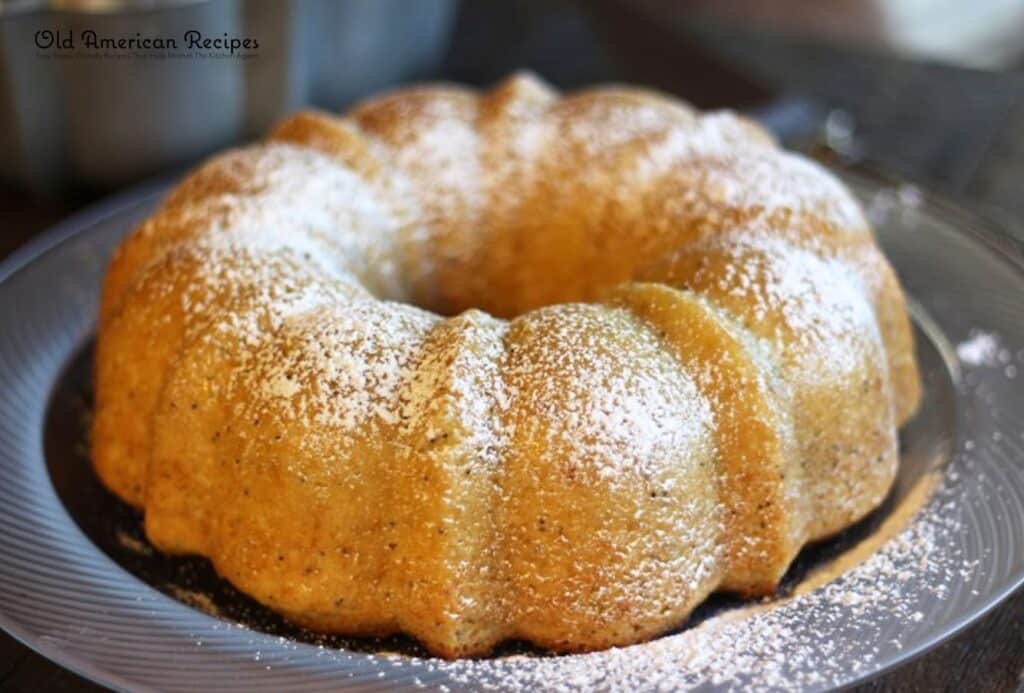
(926, 91)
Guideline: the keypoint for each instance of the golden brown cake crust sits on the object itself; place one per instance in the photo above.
(675, 355)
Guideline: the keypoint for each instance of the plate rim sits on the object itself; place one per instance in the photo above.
(63, 231)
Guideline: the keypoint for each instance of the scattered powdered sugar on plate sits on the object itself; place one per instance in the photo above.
(980, 349)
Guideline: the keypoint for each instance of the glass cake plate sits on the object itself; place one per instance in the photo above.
(80, 584)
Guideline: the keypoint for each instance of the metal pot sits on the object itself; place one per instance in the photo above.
(102, 92)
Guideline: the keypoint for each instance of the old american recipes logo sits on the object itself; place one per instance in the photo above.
(64, 43)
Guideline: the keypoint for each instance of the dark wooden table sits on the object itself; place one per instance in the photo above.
(955, 130)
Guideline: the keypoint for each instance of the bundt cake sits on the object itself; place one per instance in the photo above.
(509, 365)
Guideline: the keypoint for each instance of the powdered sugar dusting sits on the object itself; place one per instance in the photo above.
(457, 384)
(295, 197)
(338, 368)
(594, 440)
(624, 420)
(810, 304)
